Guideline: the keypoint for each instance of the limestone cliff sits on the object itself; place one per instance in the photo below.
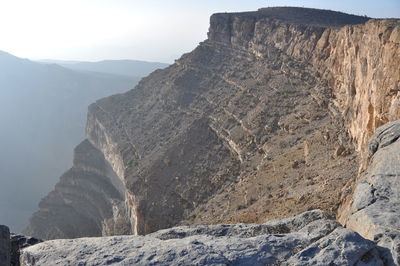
(358, 62)
(265, 119)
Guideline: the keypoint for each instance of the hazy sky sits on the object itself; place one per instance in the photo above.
(153, 30)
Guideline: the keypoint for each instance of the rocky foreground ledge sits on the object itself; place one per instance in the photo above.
(311, 238)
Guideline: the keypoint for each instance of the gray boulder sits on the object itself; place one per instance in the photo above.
(4, 245)
(375, 211)
(309, 238)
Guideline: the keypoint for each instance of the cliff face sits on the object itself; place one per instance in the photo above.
(260, 121)
(358, 62)
(362, 64)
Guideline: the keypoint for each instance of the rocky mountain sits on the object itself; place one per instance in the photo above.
(267, 118)
(43, 113)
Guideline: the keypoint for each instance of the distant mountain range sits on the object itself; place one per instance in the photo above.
(42, 116)
(131, 68)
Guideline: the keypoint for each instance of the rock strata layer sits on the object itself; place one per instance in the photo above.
(375, 211)
(311, 238)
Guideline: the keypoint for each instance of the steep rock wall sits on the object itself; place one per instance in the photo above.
(359, 62)
(363, 63)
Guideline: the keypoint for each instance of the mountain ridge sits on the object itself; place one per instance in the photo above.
(117, 67)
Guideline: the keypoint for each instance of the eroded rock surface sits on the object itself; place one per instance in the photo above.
(375, 211)
(309, 238)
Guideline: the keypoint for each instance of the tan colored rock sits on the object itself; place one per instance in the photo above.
(339, 151)
(362, 68)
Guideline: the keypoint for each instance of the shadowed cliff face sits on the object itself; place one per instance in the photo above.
(88, 200)
(249, 126)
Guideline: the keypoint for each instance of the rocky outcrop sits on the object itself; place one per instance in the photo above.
(359, 62)
(309, 238)
(18, 242)
(5, 246)
(10, 246)
(375, 211)
(260, 121)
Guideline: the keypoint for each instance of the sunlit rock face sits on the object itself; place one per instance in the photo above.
(265, 119)
(363, 64)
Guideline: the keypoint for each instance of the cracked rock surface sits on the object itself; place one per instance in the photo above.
(376, 200)
(309, 238)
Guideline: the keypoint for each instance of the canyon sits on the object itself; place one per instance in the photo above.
(279, 112)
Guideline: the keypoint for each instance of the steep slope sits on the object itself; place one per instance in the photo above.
(260, 121)
(42, 116)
